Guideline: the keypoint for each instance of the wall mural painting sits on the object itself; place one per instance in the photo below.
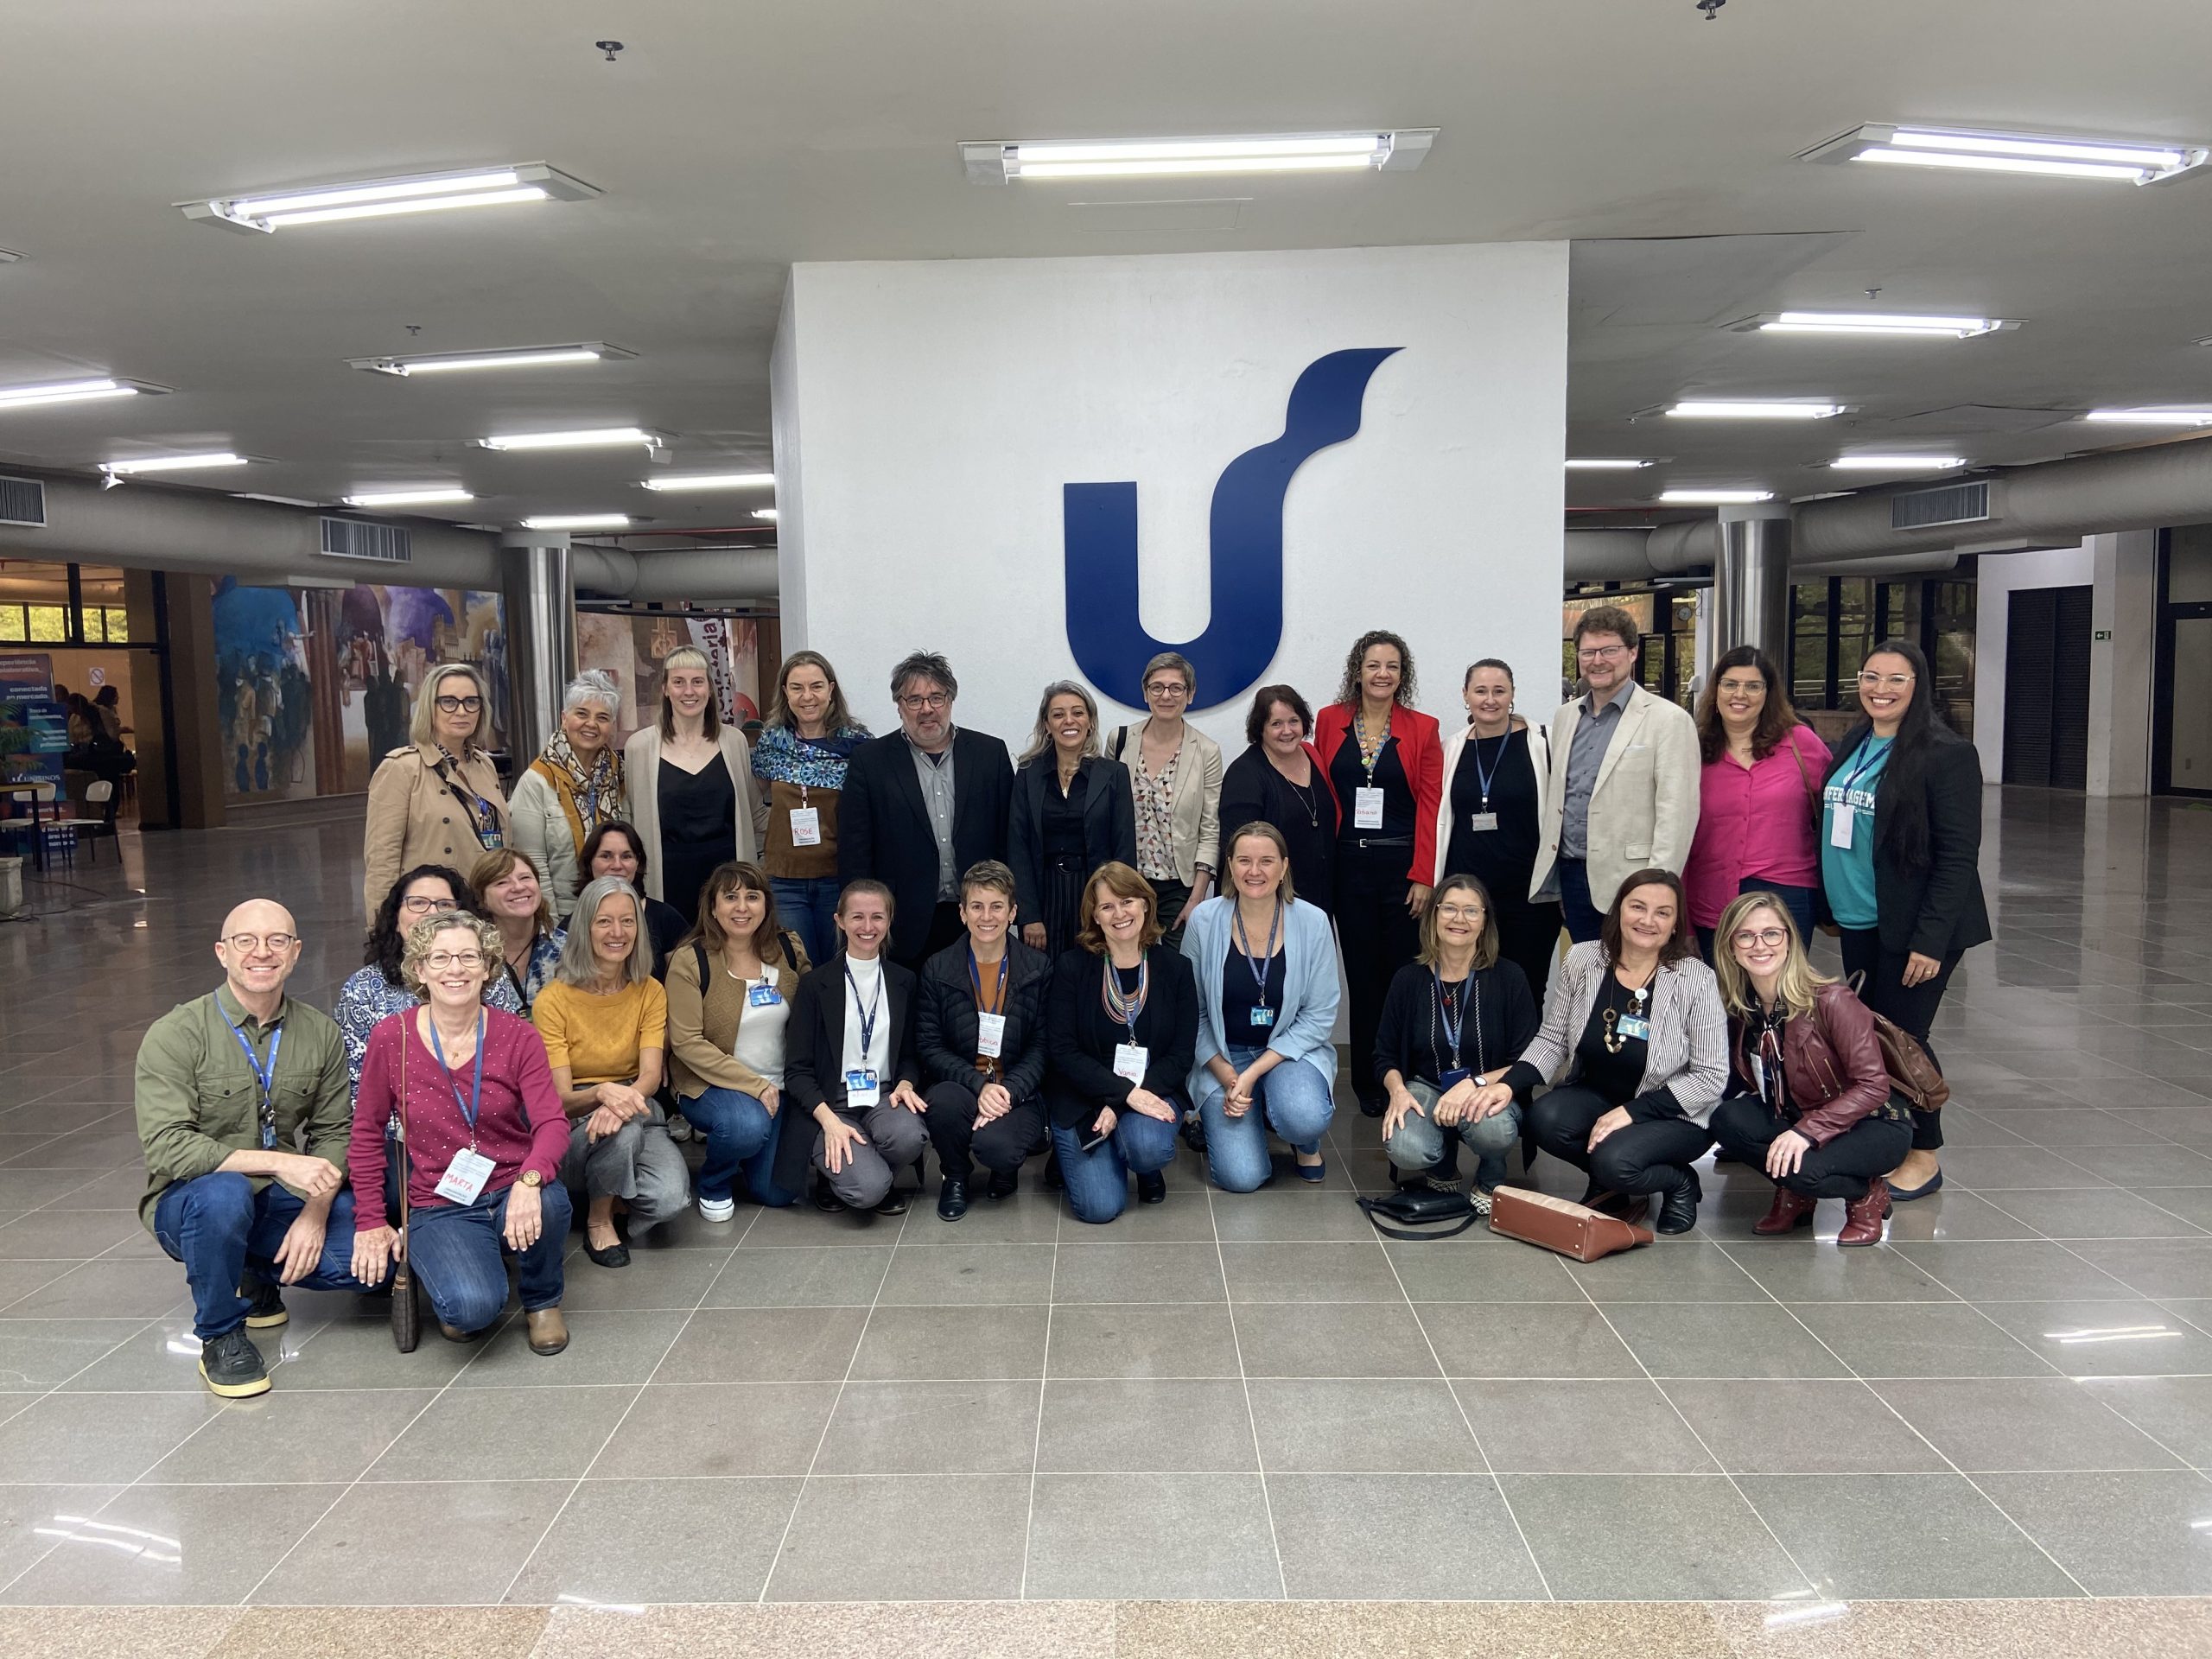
(631, 648)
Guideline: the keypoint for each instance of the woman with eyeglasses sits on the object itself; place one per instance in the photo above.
(572, 788)
(1175, 774)
(436, 801)
(1900, 875)
(1810, 1101)
(691, 788)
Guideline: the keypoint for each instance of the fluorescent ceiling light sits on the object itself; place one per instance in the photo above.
(1714, 498)
(421, 497)
(67, 391)
(1876, 323)
(1729, 410)
(997, 162)
(1897, 463)
(1604, 464)
(171, 464)
(599, 437)
(713, 481)
(2048, 156)
(520, 357)
(768, 513)
(280, 501)
(2152, 417)
(578, 521)
(380, 198)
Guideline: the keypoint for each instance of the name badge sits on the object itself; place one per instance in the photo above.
(1631, 1027)
(1481, 821)
(1262, 1017)
(1842, 815)
(1367, 809)
(1453, 1078)
(465, 1177)
(1130, 1060)
(990, 1035)
(806, 826)
(1758, 1074)
(762, 996)
(862, 1087)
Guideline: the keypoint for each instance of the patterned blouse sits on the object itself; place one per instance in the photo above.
(1155, 797)
(368, 996)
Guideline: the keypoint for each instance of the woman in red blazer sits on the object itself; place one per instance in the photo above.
(1385, 759)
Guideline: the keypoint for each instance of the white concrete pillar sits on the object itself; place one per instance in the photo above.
(2123, 624)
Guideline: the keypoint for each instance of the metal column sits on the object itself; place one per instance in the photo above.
(1752, 581)
(541, 620)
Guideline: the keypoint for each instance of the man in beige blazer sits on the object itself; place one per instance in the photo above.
(1624, 789)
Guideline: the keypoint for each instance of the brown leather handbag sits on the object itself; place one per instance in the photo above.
(1912, 1074)
(1573, 1229)
(406, 1311)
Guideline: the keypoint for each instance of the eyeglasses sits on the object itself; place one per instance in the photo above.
(1459, 912)
(920, 700)
(247, 943)
(1768, 937)
(459, 705)
(1600, 653)
(1167, 689)
(1894, 681)
(422, 905)
(438, 961)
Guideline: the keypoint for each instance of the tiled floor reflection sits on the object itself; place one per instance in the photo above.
(1222, 1398)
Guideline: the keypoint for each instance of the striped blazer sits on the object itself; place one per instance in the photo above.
(1690, 1029)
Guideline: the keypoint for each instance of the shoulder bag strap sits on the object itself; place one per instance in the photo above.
(1812, 794)
(406, 1157)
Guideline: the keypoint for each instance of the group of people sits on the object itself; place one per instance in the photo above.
(826, 956)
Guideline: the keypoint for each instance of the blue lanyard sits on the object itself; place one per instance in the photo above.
(1261, 969)
(1868, 756)
(266, 1077)
(1453, 1026)
(867, 1014)
(475, 1103)
(997, 1004)
(1484, 774)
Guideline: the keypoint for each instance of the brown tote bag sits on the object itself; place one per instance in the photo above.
(406, 1314)
(1573, 1230)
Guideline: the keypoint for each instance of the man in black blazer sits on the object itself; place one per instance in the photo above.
(921, 805)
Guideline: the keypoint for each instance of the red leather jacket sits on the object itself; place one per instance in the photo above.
(1831, 1065)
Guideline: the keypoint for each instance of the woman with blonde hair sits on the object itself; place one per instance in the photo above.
(1072, 813)
(1811, 1100)
(574, 785)
(691, 782)
(437, 801)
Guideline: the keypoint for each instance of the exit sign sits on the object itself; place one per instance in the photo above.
(2103, 633)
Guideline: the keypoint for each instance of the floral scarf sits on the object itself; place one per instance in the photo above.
(589, 796)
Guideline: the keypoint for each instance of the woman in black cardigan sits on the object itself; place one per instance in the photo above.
(980, 1022)
(1123, 1028)
(1900, 881)
(1072, 811)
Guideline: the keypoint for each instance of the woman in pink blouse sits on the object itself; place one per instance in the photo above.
(1758, 796)
(486, 1134)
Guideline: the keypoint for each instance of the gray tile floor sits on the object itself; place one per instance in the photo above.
(1222, 1398)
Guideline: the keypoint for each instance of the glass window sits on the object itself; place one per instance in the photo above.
(1856, 625)
(1808, 669)
(118, 625)
(11, 624)
(1954, 604)
(46, 624)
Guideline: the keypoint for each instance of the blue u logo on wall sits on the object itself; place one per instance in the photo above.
(1099, 527)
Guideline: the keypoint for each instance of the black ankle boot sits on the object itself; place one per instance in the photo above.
(1678, 1205)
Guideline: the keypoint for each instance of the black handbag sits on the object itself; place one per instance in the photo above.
(406, 1313)
(1421, 1206)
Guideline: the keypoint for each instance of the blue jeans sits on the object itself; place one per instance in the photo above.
(1584, 921)
(221, 1229)
(1420, 1143)
(1798, 901)
(736, 1125)
(808, 905)
(1294, 1100)
(1098, 1181)
(460, 1255)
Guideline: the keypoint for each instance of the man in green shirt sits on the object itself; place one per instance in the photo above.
(227, 1087)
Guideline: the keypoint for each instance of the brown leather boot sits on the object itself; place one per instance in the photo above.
(1863, 1218)
(547, 1330)
(1791, 1210)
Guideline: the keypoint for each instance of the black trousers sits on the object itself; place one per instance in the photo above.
(1172, 897)
(1873, 1146)
(1379, 938)
(1653, 1157)
(1911, 1008)
(1000, 1146)
(1528, 937)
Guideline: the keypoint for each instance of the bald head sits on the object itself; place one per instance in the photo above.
(258, 947)
(258, 916)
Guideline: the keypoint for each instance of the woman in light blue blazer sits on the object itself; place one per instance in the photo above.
(1266, 965)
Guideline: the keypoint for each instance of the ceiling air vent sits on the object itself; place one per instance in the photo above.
(23, 501)
(1953, 504)
(347, 538)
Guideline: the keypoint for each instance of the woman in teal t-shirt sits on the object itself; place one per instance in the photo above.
(1900, 838)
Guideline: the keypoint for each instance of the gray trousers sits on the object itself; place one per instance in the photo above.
(637, 1164)
(894, 1140)
(1420, 1144)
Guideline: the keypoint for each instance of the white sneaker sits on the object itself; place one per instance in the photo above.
(717, 1209)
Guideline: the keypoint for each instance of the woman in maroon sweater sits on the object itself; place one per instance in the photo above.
(486, 1134)
(1385, 762)
(1813, 1105)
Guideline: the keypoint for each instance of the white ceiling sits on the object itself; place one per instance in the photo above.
(733, 139)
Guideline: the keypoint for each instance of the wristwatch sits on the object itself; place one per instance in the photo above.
(530, 1178)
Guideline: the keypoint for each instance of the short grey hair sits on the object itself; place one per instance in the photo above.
(923, 665)
(1179, 662)
(593, 685)
(1040, 735)
(578, 966)
(416, 950)
(423, 729)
